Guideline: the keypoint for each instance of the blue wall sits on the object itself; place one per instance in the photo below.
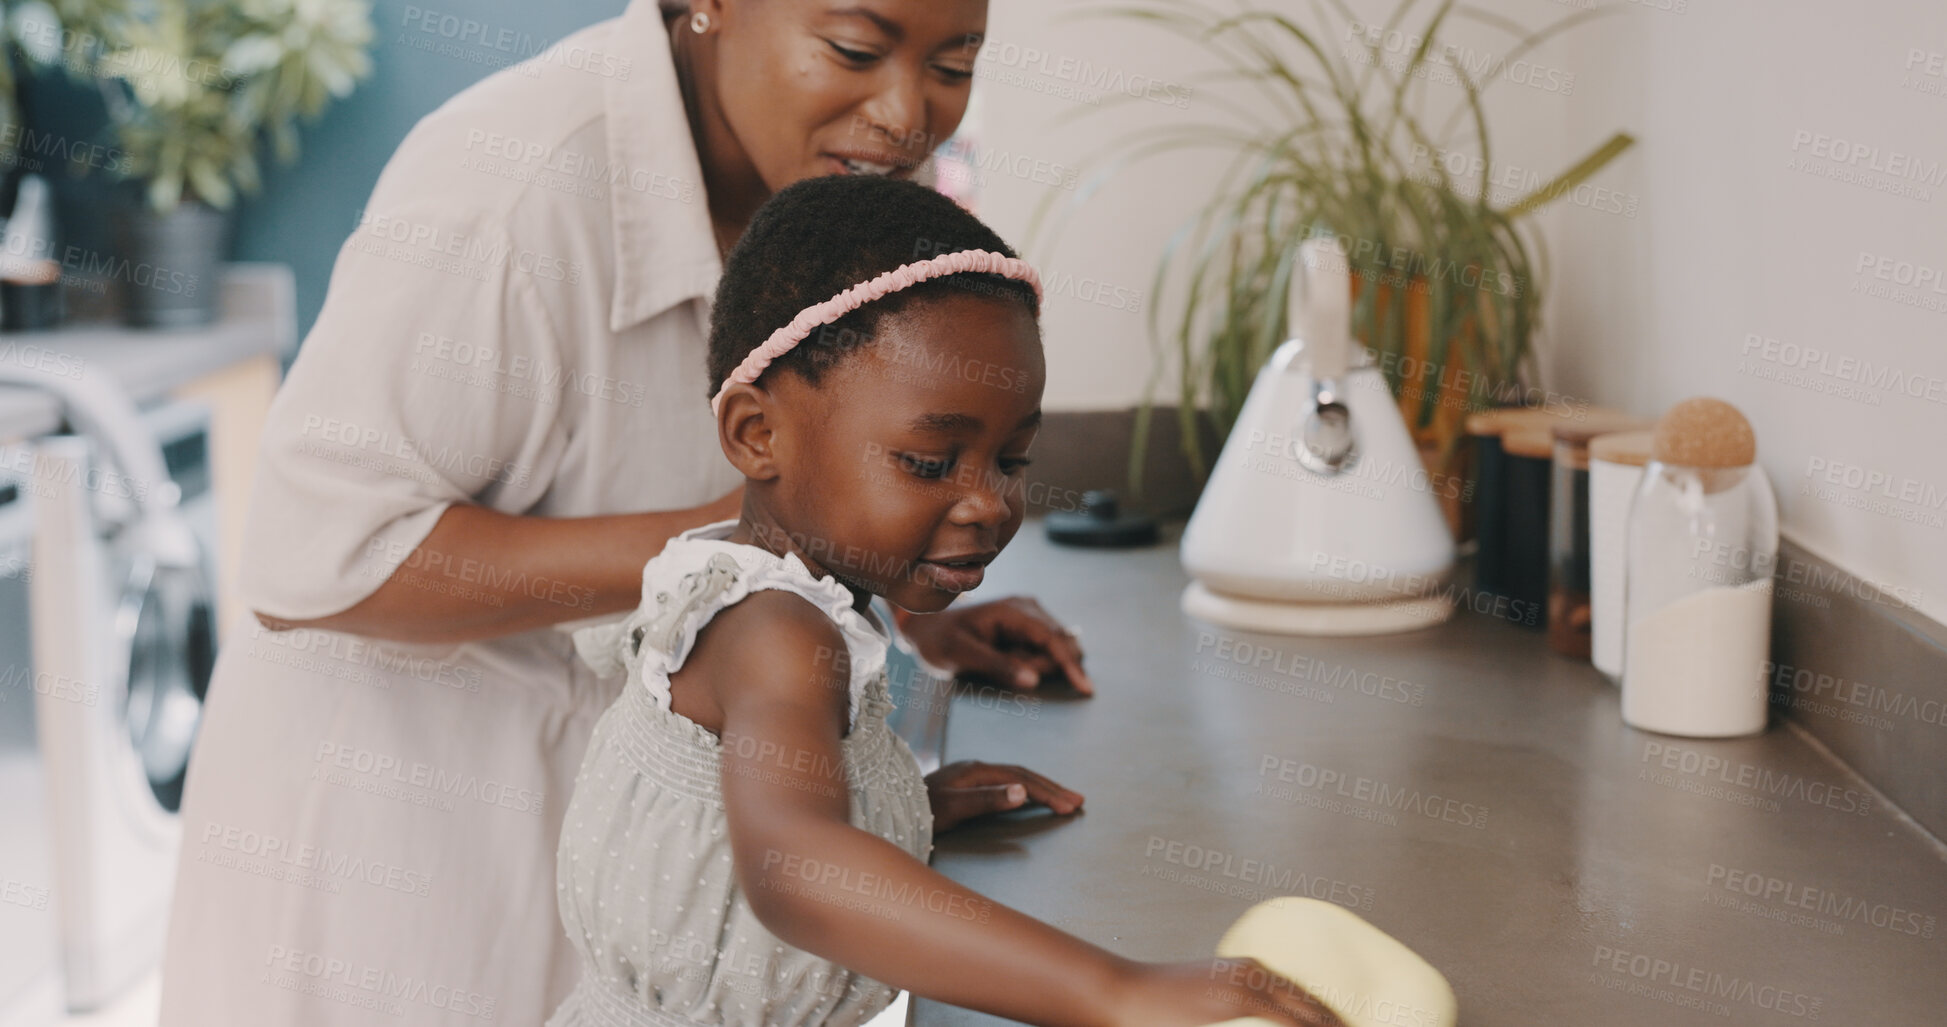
(306, 210)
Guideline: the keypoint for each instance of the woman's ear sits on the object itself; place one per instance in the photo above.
(747, 425)
(711, 9)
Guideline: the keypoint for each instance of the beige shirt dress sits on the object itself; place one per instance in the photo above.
(518, 321)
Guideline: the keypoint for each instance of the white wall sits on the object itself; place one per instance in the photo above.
(1726, 239)
(1740, 236)
(1045, 87)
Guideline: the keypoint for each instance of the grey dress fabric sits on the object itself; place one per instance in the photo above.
(644, 876)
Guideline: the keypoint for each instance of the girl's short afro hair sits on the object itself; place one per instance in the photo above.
(820, 236)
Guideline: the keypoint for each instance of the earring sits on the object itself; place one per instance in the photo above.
(700, 22)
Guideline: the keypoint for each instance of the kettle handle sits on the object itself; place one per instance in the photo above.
(1321, 307)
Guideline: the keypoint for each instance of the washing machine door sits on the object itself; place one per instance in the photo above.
(165, 624)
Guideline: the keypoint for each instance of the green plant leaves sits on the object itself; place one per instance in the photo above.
(204, 84)
(1574, 176)
(1337, 168)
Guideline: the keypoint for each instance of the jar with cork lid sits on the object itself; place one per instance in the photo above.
(1571, 618)
(1616, 463)
(1702, 540)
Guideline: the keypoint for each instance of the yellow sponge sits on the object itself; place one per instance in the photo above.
(1364, 974)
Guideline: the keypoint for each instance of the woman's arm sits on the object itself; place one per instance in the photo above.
(538, 571)
(780, 697)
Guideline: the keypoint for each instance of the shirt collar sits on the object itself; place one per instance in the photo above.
(665, 247)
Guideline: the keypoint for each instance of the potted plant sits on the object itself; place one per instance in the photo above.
(194, 88)
(1446, 280)
(35, 34)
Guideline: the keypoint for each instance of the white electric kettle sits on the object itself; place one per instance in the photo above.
(1318, 518)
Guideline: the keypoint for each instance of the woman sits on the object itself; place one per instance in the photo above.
(449, 483)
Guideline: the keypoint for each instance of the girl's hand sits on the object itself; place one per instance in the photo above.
(1195, 994)
(1013, 642)
(969, 788)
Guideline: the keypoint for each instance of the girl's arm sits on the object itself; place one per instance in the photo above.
(774, 669)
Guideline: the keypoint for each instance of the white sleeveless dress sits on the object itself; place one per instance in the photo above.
(645, 884)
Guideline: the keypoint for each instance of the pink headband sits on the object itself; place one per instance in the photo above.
(782, 340)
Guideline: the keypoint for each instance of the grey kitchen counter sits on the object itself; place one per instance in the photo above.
(1462, 788)
(254, 318)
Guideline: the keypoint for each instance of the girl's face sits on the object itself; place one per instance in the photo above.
(902, 473)
(821, 87)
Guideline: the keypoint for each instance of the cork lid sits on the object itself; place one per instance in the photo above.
(1631, 448)
(1704, 432)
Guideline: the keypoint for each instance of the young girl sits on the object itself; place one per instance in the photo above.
(746, 842)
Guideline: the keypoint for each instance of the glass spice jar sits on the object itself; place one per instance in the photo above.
(1702, 546)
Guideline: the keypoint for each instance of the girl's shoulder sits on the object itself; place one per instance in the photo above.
(698, 575)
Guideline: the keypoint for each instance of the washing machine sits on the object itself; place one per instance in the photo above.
(121, 607)
(31, 990)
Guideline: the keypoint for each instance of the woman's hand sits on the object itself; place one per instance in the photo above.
(1195, 994)
(967, 789)
(1011, 641)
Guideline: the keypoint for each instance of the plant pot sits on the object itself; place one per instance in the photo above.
(1434, 398)
(166, 264)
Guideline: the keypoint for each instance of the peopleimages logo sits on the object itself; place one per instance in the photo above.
(352, 650)
(1892, 163)
(441, 249)
(1509, 183)
(304, 863)
(42, 358)
(451, 35)
(413, 773)
(450, 459)
(1249, 875)
(20, 145)
(1380, 263)
(1868, 479)
(367, 986)
(22, 894)
(549, 379)
(1900, 272)
(1299, 667)
(573, 165)
(1373, 791)
(1703, 985)
(1082, 73)
(887, 893)
(1476, 65)
(1823, 901)
(1850, 369)
(1818, 688)
(1925, 71)
(42, 474)
(1700, 770)
(47, 685)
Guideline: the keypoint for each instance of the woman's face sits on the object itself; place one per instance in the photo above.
(822, 87)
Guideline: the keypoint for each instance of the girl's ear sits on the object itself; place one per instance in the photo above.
(747, 430)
